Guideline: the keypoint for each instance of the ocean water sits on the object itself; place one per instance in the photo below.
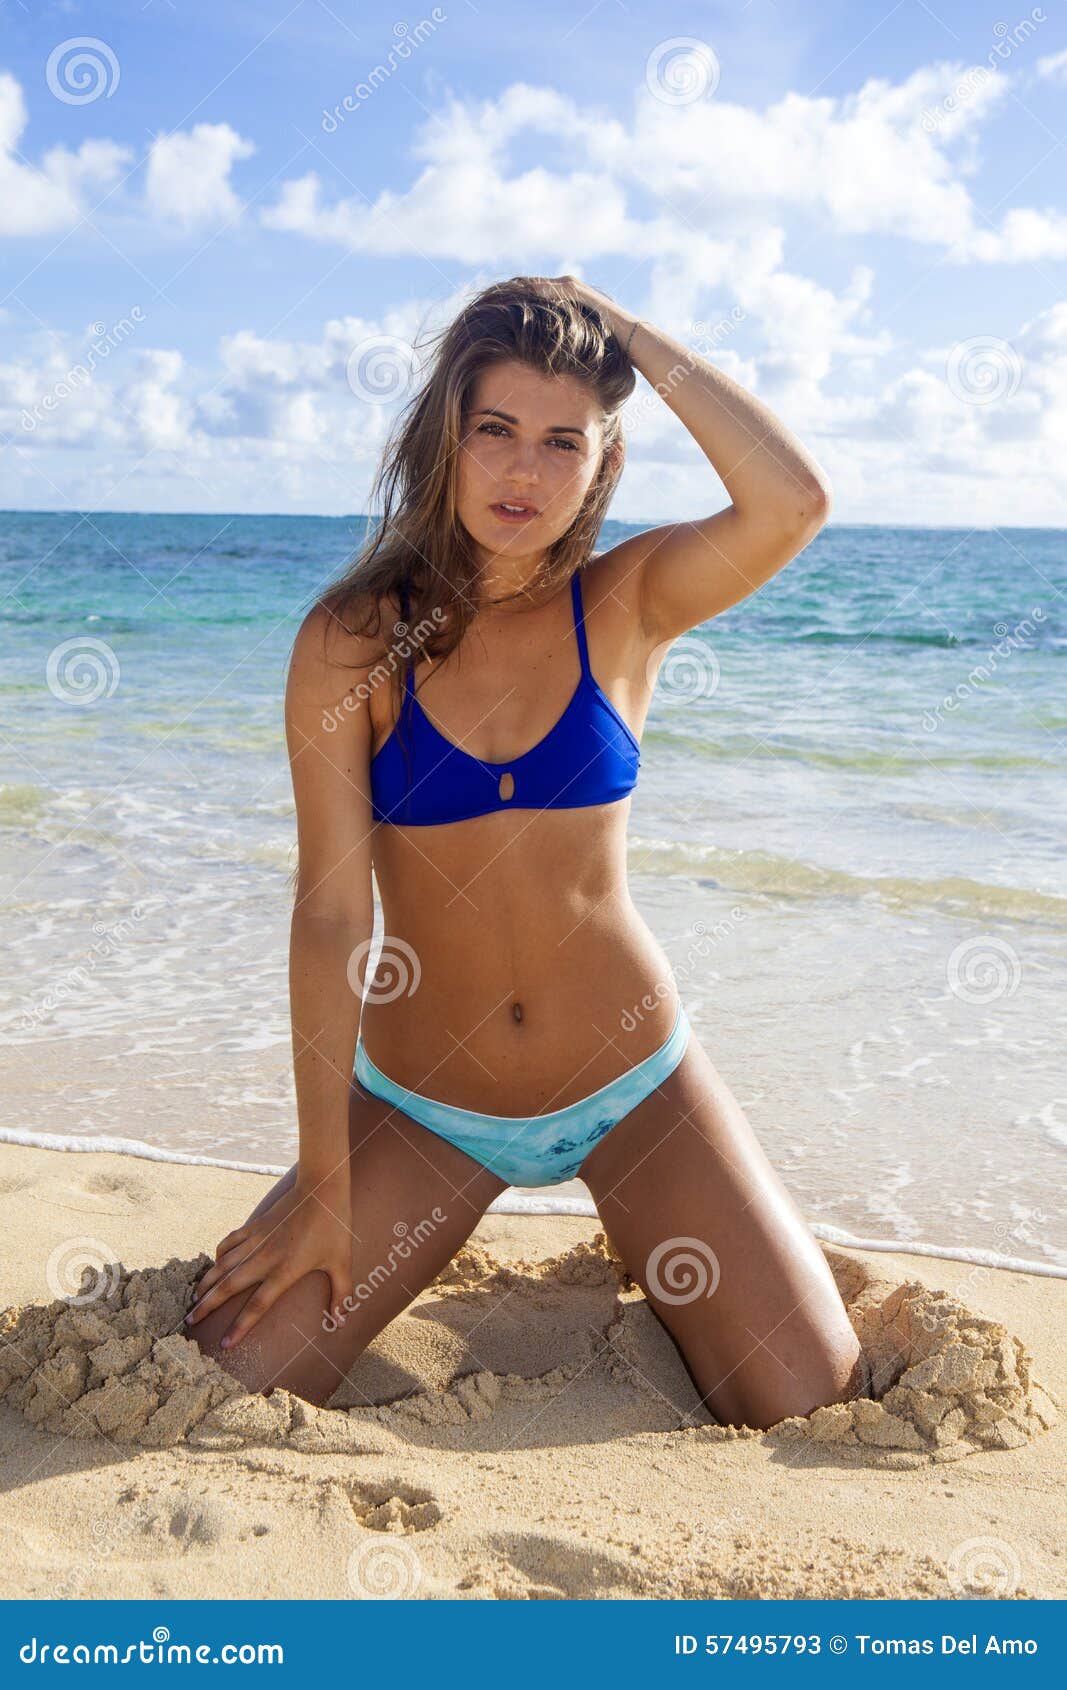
(848, 836)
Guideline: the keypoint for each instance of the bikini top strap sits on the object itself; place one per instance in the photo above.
(409, 676)
(579, 621)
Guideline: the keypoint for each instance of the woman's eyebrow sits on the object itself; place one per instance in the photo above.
(554, 428)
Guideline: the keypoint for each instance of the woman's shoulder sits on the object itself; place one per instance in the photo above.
(339, 634)
(610, 583)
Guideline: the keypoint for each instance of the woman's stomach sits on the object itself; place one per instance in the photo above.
(511, 998)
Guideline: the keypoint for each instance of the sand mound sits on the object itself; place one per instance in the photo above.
(945, 1382)
(112, 1362)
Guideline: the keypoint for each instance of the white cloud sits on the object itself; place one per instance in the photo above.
(715, 207)
(188, 174)
(874, 161)
(1025, 235)
(276, 422)
(1054, 65)
(48, 198)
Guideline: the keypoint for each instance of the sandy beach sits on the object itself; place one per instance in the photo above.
(525, 1430)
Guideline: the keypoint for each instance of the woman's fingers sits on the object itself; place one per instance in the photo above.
(256, 1307)
(230, 1239)
(227, 1278)
(225, 1264)
(341, 1289)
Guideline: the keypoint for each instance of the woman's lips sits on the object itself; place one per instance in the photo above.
(502, 515)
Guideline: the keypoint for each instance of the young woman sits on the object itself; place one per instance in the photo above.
(482, 768)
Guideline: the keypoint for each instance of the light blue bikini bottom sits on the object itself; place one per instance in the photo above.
(533, 1149)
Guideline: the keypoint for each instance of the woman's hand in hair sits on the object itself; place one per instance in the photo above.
(618, 321)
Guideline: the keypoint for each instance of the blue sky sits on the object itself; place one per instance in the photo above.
(213, 270)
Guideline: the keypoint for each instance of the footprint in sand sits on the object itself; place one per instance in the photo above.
(394, 1506)
(538, 1566)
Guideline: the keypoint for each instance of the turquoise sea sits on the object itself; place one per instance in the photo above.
(848, 836)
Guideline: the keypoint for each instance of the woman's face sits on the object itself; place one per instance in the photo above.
(529, 439)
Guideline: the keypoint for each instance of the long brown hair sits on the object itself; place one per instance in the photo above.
(420, 551)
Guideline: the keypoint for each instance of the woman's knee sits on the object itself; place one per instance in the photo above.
(291, 1346)
(765, 1388)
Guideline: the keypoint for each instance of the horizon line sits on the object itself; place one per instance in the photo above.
(653, 522)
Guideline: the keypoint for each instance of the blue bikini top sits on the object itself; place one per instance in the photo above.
(421, 779)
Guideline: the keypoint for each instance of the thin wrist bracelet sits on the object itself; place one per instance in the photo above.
(630, 336)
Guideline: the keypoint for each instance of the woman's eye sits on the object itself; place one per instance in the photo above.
(498, 428)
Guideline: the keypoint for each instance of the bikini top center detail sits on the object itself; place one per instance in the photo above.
(589, 756)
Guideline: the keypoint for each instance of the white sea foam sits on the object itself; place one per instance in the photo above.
(522, 1202)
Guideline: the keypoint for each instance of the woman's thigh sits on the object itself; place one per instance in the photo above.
(415, 1200)
(729, 1265)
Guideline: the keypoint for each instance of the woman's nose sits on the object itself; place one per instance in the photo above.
(522, 459)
